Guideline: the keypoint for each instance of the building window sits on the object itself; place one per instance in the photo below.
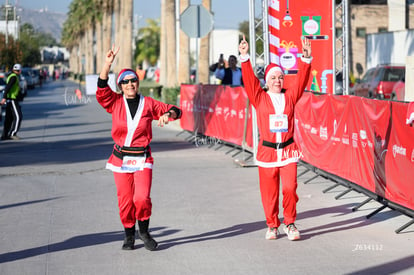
(382, 29)
(361, 32)
(338, 32)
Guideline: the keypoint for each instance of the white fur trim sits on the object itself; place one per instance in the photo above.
(307, 60)
(244, 58)
(272, 71)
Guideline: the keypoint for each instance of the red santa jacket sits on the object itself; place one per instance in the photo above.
(136, 132)
(267, 104)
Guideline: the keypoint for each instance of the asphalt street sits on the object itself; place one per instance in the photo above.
(59, 215)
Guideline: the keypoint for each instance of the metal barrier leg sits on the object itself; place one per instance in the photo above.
(331, 187)
(404, 226)
(231, 150)
(303, 173)
(311, 179)
(376, 211)
(343, 193)
(361, 204)
(219, 147)
(236, 153)
(180, 133)
(190, 138)
(249, 157)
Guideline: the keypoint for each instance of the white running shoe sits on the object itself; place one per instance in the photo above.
(292, 232)
(271, 233)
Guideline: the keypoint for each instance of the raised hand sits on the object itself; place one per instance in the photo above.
(110, 55)
(243, 46)
(306, 48)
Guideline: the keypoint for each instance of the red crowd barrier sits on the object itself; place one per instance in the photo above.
(216, 111)
(364, 141)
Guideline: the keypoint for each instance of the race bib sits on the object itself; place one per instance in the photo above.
(133, 164)
(278, 123)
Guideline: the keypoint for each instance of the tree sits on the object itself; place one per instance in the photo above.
(10, 53)
(30, 42)
(203, 64)
(244, 28)
(171, 43)
(148, 43)
(184, 54)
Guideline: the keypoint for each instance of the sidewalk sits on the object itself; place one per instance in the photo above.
(58, 208)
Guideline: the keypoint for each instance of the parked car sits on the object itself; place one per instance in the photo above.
(379, 81)
(339, 83)
(398, 91)
(2, 83)
(36, 77)
(27, 73)
(23, 84)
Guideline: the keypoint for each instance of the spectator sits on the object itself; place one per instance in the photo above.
(231, 75)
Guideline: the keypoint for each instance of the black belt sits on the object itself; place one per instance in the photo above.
(278, 145)
(120, 152)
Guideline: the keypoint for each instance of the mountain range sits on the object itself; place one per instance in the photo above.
(43, 20)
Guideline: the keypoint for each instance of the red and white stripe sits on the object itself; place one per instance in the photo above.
(274, 29)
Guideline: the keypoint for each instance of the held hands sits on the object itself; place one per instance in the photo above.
(306, 48)
(244, 46)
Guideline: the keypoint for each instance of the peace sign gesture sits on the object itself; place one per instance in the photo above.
(110, 55)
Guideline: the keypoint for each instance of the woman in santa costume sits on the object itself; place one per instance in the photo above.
(131, 161)
(277, 153)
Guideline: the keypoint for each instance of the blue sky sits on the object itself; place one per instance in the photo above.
(227, 13)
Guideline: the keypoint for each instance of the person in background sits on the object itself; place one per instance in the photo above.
(131, 161)
(277, 153)
(232, 75)
(11, 98)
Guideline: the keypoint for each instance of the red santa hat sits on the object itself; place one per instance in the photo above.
(272, 68)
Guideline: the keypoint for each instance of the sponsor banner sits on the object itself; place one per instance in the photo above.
(291, 21)
(362, 140)
(216, 111)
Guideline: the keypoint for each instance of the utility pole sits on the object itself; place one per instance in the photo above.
(7, 19)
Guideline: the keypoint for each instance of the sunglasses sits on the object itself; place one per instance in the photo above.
(126, 81)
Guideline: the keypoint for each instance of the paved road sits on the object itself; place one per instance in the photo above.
(58, 209)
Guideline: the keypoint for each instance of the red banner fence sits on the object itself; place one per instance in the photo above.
(361, 140)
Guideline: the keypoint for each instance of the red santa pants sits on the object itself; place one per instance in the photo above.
(134, 201)
(269, 189)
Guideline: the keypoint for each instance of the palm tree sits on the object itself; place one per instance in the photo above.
(171, 43)
(148, 44)
(184, 56)
(203, 63)
(99, 34)
(108, 10)
(163, 46)
(125, 38)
